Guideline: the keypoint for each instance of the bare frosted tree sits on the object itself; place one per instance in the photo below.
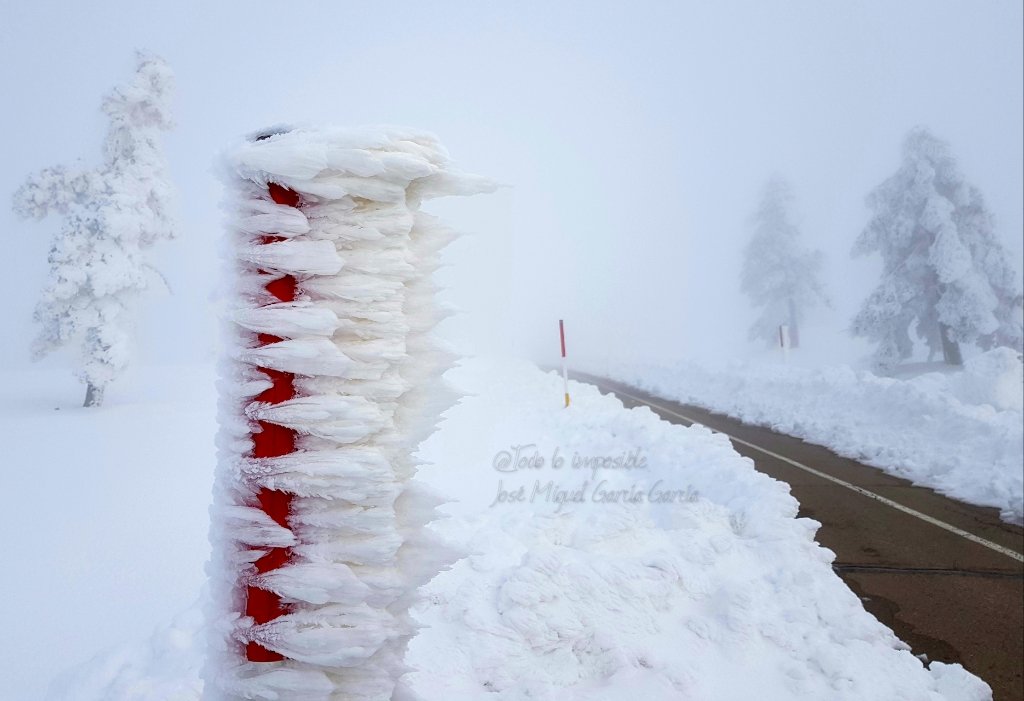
(945, 273)
(781, 277)
(111, 215)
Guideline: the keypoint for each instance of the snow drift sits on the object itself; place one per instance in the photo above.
(961, 434)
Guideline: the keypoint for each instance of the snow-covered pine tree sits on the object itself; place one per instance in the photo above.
(779, 275)
(945, 273)
(111, 215)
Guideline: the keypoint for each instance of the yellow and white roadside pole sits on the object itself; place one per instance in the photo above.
(565, 369)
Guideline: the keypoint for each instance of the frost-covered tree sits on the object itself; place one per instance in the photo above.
(781, 277)
(945, 273)
(111, 215)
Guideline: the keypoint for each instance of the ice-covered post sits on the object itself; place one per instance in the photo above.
(331, 383)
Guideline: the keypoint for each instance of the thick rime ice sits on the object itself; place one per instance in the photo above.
(350, 333)
(111, 216)
(294, 257)
(289, 318)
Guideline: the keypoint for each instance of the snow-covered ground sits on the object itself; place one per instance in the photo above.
(718, 592)
(105, 518)
(960, 433)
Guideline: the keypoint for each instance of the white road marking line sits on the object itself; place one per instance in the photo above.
(860, 490)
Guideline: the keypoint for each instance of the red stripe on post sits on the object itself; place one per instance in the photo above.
(561, 334)
(254, 652)
(282, 387)
(277, 505)
(273, 441)
(283, 195)
(276, 557)
(263, 605)
(283, 288)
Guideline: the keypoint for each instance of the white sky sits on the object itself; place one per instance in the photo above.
(635, 139)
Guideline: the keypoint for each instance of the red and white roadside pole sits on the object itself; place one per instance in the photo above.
(784, 341)
(271, 441)
(565, 368)
(331, 379)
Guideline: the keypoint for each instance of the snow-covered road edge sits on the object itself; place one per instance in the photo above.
(720, 594)
(961, 434)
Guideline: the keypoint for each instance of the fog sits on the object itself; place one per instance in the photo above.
(633, 143)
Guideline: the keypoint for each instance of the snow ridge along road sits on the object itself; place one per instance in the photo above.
(947, 577)
(860, 490)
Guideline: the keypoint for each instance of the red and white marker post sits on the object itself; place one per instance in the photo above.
(784, 340)
(565, 369)
(272, 440)
(331, 381)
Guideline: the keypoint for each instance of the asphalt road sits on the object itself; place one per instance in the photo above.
(949, 597)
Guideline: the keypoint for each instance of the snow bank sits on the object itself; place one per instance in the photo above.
(717, 593)
(960, 433)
